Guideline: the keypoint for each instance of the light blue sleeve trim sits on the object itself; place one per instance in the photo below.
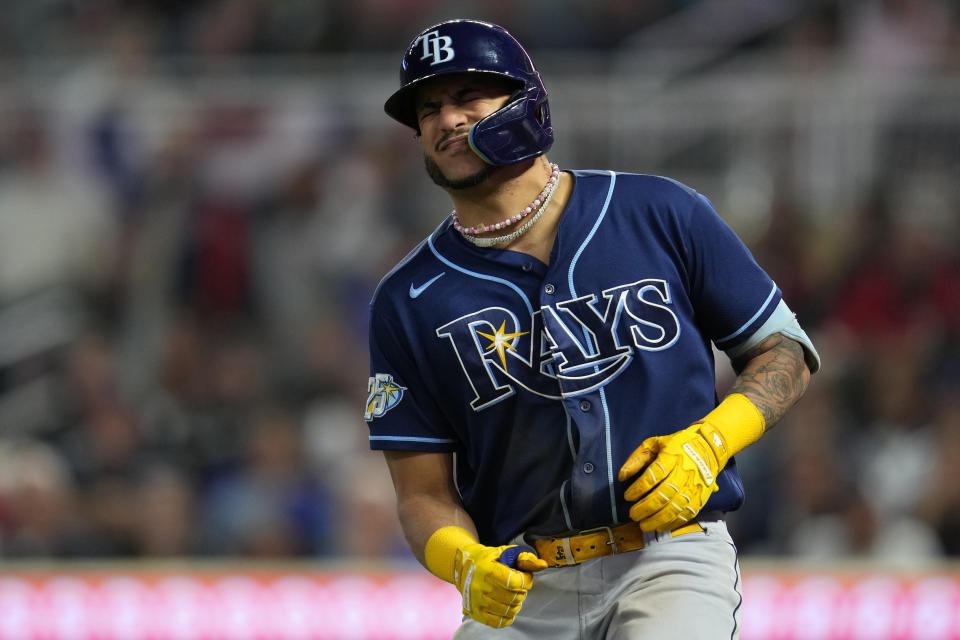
(411, 439)
(784, 321)
(746, 324)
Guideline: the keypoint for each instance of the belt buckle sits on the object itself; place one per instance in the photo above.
(612, 542)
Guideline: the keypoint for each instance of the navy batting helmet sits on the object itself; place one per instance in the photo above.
(517, 131)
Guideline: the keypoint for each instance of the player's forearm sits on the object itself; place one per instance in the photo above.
(427, 499)
(773, 376)
(421, 516)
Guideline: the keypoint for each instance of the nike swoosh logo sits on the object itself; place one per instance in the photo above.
(416, 291)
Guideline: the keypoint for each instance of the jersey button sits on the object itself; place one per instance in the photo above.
(527, 266)
(588, 467)
(549, 289)
(585, 405)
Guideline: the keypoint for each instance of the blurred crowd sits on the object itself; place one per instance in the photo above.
(183, 307)
(265, 27)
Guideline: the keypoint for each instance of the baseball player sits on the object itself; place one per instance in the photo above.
(542, 376)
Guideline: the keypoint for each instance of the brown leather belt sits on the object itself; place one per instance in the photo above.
(602, 541)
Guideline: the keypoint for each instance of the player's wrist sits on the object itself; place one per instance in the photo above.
(732, 426)
(440, 552)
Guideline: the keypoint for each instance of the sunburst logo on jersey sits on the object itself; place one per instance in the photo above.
(383, 394)
(501, 341)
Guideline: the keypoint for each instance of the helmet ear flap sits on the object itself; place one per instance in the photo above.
(515, 132)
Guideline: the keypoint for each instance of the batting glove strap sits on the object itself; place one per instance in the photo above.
(441, 551)
(735, 424)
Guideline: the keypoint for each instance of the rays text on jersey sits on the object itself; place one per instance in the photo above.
(564, 349)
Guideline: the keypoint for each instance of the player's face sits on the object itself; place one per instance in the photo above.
(446, 108)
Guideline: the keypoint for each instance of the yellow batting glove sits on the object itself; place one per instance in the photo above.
(680, 470)
(492, 592)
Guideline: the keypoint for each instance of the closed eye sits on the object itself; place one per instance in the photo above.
(468, 94)
(425, 112)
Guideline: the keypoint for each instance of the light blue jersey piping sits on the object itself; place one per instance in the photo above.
(766, 302)
(586, 335)
(481, 276)
(412, 439)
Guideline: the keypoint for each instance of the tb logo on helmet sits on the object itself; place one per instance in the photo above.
(437, 46)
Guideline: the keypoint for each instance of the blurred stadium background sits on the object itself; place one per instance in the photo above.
(198, 197)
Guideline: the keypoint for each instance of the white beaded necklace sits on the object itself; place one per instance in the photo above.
(537, 207)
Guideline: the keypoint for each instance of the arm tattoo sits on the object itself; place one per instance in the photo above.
(773, 375)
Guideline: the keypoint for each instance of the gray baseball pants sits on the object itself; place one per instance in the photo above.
(684, 587)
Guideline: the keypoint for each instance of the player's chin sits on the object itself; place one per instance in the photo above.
(461, 170)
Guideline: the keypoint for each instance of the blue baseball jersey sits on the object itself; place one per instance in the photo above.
(542, 379)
